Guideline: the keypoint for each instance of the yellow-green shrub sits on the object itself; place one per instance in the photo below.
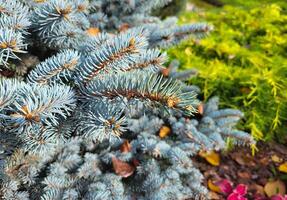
(244, 61)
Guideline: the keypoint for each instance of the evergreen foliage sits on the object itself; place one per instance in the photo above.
(243, 62)
(14, 22)
(69, 24)
(86, 123)
(70, 19)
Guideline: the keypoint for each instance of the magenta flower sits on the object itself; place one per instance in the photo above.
(225, 186)
(240, 189)
(236, 194)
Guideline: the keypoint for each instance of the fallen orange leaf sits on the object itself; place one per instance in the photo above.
(213, 187)
(93, 31)
(211, 157)
(164, 131)
(200, 109)
(126, 147)
(121, 168)
(283, 167)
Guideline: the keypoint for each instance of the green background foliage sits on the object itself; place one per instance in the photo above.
(244, 61)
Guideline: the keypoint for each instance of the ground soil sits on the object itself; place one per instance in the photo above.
(240, 167)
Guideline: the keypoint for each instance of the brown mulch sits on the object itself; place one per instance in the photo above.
(240, 167)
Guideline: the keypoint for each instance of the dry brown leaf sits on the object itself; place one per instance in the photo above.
(121, 168)
(283, 167)
(7, 73)
(244, 175)
(211, 157)
(257, 188)
(164, 131)
(165, 72)
(274, 187)
(239, 160)
(245, 160)
(245, 90)
(276, 159)
(124, 27)
(126, 147)
(264, 161)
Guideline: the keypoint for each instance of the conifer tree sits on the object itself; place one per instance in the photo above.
(102, 118)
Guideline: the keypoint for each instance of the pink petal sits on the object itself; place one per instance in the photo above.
(225, 186)
(279, 197)
(235, 196)
(240, 189)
